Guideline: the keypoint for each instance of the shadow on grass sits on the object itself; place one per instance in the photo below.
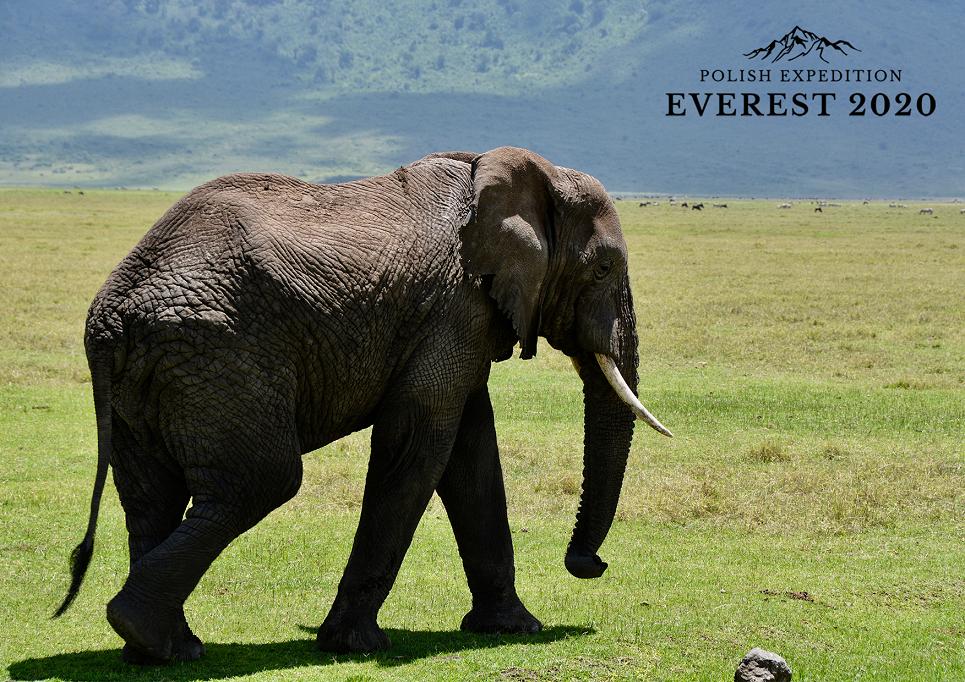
(231, 660)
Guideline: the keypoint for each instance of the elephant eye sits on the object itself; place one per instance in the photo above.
(603, 268)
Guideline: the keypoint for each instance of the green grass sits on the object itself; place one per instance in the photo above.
(811, 365)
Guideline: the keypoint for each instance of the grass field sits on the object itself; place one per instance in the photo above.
(811, 365)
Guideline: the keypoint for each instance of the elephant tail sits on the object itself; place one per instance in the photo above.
(101, 365)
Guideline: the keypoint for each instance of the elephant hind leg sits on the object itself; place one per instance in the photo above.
(153, 491)
(236, 473)
(154, 496)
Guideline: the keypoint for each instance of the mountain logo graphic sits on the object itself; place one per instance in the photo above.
(798, 43)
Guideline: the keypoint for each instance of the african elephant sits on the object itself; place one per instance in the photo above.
(262, 317)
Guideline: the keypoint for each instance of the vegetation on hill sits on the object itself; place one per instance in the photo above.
(493, 46)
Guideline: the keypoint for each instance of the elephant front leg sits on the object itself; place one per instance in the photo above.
(472, 490)
(409, 452)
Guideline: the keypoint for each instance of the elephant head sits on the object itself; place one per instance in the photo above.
(547, 242)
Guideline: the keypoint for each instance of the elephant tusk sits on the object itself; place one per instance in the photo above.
(619, 385)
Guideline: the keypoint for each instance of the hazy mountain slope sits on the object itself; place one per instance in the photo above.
(170, 93)
(495, 45)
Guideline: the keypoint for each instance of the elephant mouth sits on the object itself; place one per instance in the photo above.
(619, 385)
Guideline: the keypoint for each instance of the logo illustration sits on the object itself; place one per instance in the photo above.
(799, 43)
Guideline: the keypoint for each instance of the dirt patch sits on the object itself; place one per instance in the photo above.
(801, 595)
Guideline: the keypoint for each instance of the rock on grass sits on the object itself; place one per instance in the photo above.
(762, 666)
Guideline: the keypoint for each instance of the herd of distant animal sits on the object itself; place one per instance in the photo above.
(821, 205)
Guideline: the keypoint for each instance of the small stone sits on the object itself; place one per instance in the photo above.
(762, 666)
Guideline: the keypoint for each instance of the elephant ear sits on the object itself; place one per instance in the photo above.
(509, 234)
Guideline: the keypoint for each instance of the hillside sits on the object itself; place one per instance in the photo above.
(169, 93)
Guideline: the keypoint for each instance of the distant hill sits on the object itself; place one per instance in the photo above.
(170, 93)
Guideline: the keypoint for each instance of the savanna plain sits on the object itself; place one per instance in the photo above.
(811, 365)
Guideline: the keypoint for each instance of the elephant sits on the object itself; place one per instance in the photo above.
(263, 317)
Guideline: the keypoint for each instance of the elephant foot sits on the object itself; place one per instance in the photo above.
(189, 649)
(507, 618)
(345, 636)
(153, 635)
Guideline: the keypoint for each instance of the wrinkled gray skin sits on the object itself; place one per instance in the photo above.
(263, 317)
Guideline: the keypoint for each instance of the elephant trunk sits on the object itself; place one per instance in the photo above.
(608, 430)
(607, 433)
(610, 408)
